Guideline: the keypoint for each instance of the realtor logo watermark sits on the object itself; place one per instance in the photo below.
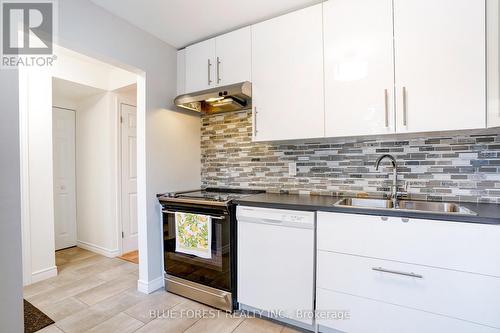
(27, 33)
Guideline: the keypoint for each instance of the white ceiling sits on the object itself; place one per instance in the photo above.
(68, 90)
(183, 22)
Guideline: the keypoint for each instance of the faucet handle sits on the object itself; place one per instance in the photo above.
(405, 193)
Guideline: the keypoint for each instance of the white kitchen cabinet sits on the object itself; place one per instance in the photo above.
(440, 291)
(181, 72)
(414, 241)
(359, 68)
(369, 316)
(493, 62)
(219, 61)
(233, 57)
(390, 268)
(287, 76)
(440, 64)
(200, 66)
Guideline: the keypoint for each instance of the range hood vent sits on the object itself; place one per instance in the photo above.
(234, 97)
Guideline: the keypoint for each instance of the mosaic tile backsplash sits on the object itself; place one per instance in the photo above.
(456, 168)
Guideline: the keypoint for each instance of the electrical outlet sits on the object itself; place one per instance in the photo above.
(292, 169)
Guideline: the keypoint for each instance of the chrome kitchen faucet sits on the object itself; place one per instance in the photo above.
(394, 192)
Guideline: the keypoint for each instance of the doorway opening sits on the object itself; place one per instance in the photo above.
(80, 154)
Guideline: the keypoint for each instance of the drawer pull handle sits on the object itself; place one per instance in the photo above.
(410, 274)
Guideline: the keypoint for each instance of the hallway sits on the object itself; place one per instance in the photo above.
(93, 293)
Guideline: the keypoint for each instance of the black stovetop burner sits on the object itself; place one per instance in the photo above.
(212, 194)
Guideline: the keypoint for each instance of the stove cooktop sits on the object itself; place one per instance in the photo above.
(211, 194)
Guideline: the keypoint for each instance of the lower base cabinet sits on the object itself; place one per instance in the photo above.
(393, 275)
(369, 316)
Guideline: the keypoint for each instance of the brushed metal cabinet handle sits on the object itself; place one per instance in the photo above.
(386, 103)
(390, 271)
(209, 66)
(405, 108)
(218, 70)
(255, 121)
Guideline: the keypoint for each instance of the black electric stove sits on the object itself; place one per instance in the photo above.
(208, 280)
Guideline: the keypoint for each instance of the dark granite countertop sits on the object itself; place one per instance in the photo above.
(487, 213)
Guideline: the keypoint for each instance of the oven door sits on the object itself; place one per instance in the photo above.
(214, 272)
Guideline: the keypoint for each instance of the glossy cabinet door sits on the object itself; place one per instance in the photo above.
(287, 76)
(370, 316)
(387, 265)
(359, 68)
(233, 63)
(493, 62)
(181, 72)
(440, 64)
(200, 66)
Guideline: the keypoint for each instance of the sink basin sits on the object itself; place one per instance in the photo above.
(406, 205)
(364, 203)
(435, 207)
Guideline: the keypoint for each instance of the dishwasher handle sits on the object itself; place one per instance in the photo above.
(259, 220)
(277, 222)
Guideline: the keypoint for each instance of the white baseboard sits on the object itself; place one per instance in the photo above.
(151, 286)
(98, 249)
(43, 274)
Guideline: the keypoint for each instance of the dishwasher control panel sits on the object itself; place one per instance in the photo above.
(291, 218)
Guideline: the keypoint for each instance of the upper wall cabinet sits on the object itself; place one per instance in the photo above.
(287, 76)
(440, 64)
(359, 68)
(493, 62)
(181, 72)
(200, 66)
(219, 61)
(439, 70)
(233, 60)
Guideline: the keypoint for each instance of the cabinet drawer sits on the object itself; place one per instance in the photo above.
(377, 317)
(468, 247)
(466, 296)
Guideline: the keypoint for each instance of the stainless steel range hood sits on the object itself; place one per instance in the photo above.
(234, 97)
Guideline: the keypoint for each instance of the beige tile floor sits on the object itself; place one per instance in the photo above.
(96, 294)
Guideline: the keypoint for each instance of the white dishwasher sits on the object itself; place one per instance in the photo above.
(276, 263)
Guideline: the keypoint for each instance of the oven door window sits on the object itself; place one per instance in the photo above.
(215, 271)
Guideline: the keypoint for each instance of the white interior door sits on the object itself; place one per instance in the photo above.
(63, 122)
(129, 177)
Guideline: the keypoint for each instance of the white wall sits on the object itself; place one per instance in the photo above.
(37, 180)
(75, 67)
(96, 174)
(64, 102)
(164, 166)
(11, 314)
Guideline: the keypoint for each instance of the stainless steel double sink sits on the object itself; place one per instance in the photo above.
(445, 208)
